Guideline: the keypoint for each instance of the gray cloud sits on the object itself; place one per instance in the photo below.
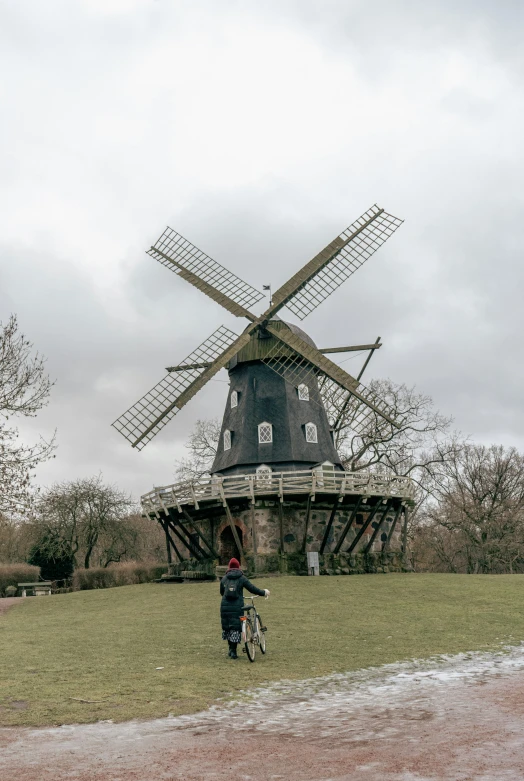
(259, 133)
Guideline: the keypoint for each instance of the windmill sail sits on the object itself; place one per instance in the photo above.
(302, 362)
(335, 263)
(186, 260)
(158, 406)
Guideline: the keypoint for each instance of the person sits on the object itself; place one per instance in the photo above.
(232, 605)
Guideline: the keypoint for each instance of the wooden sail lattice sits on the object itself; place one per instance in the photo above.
(301, 362)
(140, 423)
(173, 250)
(335, 263)
(297, 362)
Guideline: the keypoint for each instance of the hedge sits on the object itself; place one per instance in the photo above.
(13, 574)
(127, 573)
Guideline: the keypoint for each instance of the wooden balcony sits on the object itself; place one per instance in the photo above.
(277, 485)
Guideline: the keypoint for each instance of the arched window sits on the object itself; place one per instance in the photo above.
(303, 392)
(234, 399)
(227, 439)
(311, 433)
(264, 474)
(265, 433)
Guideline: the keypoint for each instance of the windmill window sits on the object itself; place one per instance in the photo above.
(311, 433)
(234, 399)
(264, 474)
(227, 439)
(265, 433)
(303, 392)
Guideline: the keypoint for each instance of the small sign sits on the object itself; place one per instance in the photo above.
(313, 566)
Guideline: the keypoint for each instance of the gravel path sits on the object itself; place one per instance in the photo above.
(454, 719)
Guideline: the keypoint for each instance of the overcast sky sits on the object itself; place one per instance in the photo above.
(259, 131)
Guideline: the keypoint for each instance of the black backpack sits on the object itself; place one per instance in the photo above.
(231, 589)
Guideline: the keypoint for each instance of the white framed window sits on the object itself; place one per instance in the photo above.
(234, 399)
(227, 439)
(325, 473)
(264, 474)
(265, 433)
(303, 392)
(311, 433)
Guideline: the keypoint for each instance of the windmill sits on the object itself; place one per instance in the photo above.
(286, 397)
(288, 353)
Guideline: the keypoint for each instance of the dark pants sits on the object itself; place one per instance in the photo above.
(232, 647)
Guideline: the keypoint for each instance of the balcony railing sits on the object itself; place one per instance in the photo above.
(275, 484)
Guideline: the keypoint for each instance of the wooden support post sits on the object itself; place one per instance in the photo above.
(281, 526)
(194, 544)
(369, 546)
(364, 528)
(371, 351)
(405, 535)
(348, 525)
(197, 531)
(340, 415)
(308, 512)
(233, 527)
(329, 524)
(187, 543)
(168, 546)
(393, 525)
(253, 521)
(172, 543)
(254, 527)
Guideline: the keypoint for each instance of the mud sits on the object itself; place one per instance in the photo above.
(453, 719)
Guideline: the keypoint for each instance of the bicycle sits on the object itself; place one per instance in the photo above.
(253, 631)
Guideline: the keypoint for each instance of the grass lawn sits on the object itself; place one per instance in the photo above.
(104, 646)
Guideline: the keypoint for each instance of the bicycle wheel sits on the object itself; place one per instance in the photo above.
(250, 642)
(261, 636)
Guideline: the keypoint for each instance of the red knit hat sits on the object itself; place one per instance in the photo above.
(234, 564)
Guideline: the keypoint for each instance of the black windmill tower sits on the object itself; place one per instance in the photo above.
(286, 397)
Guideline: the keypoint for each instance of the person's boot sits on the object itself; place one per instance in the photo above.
(233, 651)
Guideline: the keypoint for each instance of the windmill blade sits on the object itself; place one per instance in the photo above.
(335, 263)
(141, 422)
(193, 265)
(293, 365)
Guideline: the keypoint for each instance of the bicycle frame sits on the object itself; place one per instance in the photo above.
(252, 619)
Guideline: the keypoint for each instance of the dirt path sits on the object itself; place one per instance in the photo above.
(8, 602)
(458, 719)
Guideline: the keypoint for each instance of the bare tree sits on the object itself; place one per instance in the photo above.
(83, 517)
(202, 447)
(134, 538)
(24, 390)
(422, 440)
(474, 521)
(15, 540)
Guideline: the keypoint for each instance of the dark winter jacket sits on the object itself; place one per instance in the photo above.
(232, 609)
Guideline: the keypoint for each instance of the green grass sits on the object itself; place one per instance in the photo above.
(106, 645)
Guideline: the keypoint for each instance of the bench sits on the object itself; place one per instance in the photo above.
(41, 589)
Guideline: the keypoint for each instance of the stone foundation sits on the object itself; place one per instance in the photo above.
(262, 527)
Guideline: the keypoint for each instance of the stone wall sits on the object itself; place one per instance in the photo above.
(259, 528)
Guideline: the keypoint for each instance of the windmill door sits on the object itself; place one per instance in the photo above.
(227, 546)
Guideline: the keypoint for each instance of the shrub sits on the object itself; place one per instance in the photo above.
(13, 574)
(127, 573)
(58, 565)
